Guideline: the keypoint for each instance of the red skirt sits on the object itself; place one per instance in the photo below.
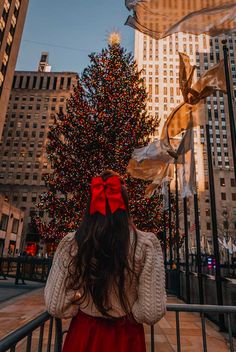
(92, 334)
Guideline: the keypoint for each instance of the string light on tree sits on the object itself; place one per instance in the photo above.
(105, 121)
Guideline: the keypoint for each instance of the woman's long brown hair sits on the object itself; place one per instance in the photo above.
(103, 260)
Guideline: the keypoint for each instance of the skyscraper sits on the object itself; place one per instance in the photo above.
(12, 19)
(36, 98)
(159, 62)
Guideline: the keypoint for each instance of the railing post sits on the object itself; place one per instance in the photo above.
(214, 228)
(198, 256)
(152, 339)
(170, 228)
(17, 272)
(58, 336)
(186, 250)
(1, 269)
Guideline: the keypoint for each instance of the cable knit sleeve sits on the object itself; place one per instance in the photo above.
(150, 305)
(59, 301)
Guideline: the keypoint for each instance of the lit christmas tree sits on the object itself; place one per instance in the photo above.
(105, 121)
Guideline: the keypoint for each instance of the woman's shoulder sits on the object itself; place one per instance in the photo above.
(147, 242)
(147, 238)
(70, 237)
(67, 243)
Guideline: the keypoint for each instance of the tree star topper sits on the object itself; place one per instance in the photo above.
(114, 38)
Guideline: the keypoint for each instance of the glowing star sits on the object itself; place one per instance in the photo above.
(114, 38)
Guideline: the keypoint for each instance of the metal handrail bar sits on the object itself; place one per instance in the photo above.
(23, 331)
(11, 340)
(202, 310)
(198, 308)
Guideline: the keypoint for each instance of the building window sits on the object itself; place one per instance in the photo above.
(34, 82)
(223, 196)
(208, 225)
(233, 182)
(48, 82)
(234, 196)
(68, 82)
(24, 197)
(4, 222)
(15, 198)
(15, 225)
(34, 197)
(222, 181)
(41, 83)
(27, 82)
(55, 83)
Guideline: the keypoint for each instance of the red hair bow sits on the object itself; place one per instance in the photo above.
(102, 190)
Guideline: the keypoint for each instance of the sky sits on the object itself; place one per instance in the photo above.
(70, 30)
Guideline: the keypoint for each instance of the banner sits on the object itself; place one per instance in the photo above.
(186, 165)
(191, 112)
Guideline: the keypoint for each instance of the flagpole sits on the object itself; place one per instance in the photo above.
(170, 227)
(214, 227)
(177, 228)
(230, 104)
(164, 238)
(197, 233)
(186, 250)
(198, 255)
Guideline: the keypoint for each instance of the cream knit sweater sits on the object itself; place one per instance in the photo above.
(147, 295)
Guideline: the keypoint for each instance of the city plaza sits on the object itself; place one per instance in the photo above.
(199, 229)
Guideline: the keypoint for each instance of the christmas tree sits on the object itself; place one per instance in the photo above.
(105, 121)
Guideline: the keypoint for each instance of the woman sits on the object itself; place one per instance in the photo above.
(108, 276)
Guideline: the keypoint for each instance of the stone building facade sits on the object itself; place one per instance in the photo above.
(36, 98)
(11, 227)
(12, 19)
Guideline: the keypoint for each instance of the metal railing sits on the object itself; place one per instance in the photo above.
(202, 310)
(48, 344)
(28, 335)
(25, 268)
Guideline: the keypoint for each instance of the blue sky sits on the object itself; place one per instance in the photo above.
(81, 25)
